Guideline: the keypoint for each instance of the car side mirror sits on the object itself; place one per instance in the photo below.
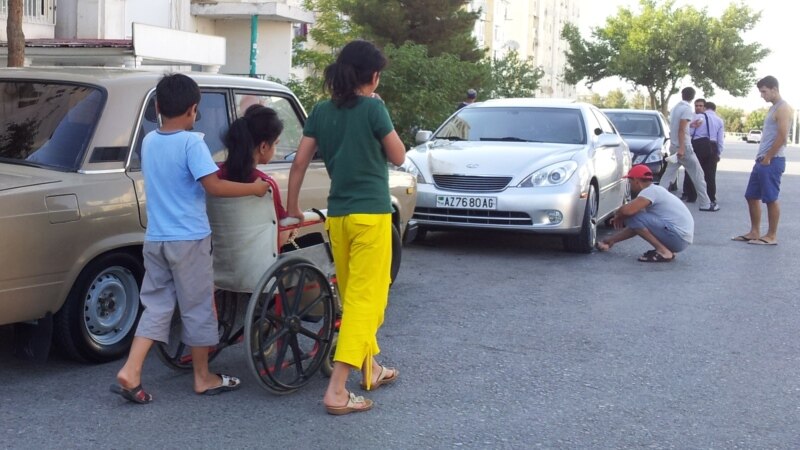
(423, 136)
(609, 140)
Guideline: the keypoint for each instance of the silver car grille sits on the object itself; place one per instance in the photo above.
(463, 183)
(472, 216)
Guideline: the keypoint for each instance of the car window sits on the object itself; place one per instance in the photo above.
(636, 124)
(212, 121)
(47, 124)
(289, 115)
(515, 124)
(605, 124)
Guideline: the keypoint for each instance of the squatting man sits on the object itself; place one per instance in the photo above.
(655, 215)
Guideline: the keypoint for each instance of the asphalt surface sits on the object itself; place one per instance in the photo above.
(503, 341)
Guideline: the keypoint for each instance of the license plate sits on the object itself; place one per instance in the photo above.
(465, 202)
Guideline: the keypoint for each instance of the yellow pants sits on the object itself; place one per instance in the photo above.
(362, 253)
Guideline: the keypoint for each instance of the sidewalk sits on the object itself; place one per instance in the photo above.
(746, 165)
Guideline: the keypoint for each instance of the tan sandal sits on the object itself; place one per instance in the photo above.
(353, 402)
(383, 378)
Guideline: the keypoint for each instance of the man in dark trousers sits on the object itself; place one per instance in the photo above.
(708, 136)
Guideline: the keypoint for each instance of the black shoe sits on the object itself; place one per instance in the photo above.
(684, 197)
(691, 200)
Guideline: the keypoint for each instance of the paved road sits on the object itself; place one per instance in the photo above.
(504, 341)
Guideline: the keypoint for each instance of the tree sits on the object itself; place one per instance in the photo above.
(443, 26)
(419, 89)
(755, 120)
(511, 76)
(616, 99)
(660, 46)
(16, 38)
(733, 118)
(638, 101)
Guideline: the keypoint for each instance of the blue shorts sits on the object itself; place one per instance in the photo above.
(765, 181)
(665, 233)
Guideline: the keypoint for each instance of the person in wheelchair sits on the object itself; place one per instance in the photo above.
(178, 173)
(251, 140)
(355, 137)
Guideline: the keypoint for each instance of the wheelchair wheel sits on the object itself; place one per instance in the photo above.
(327, 365)
(288, 327)
(178, 355)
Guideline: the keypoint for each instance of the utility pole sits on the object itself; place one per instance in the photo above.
(253, 44)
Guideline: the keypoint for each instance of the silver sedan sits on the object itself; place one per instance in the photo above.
(541, 166)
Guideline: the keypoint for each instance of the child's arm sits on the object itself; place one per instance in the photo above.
(224, 188)
(394, 148)
(305, 151)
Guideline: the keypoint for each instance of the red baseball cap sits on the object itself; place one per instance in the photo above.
(641, 172)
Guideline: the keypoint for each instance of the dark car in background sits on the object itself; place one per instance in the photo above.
(647, 135)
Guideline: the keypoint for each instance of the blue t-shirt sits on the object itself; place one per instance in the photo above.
(172, 164)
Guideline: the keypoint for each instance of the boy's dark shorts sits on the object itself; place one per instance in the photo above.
(765, 181)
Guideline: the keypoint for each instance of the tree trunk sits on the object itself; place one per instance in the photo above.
(16, 38)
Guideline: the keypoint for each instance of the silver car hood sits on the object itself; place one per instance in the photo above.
(514, 159)
(12, 179)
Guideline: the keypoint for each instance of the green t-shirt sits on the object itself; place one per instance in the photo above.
(349, 141)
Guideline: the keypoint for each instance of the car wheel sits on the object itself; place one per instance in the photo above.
(585, 240)
(397, 253)
(99, 317)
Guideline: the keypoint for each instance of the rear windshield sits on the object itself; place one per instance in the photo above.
(515, 124)
(47, 124)
(636, 124)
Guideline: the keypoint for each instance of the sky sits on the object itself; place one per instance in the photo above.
(774, 31)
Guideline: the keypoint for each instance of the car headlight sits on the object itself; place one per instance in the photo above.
(408, 166)
(552, 175)
(652, 157)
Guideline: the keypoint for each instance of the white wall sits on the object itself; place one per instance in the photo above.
(274, 47)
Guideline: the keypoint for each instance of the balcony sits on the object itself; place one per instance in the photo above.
(278, 10)
(40, 12)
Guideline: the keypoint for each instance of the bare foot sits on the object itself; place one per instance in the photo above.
(604, 246)
(128, 381)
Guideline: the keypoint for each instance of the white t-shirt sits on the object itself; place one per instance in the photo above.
(681, 111)
(671, 210)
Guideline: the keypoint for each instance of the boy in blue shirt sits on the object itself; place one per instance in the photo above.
(178, 173)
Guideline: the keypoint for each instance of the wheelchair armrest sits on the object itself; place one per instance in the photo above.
(313, 216)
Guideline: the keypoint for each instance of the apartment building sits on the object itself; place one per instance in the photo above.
(209, 35)
(533, 29)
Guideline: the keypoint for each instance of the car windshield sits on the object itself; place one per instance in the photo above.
(46, 124)
(515, 124)
(635, 124)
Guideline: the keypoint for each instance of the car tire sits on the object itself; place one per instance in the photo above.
(98, 320)
(585, 240)
(397, 253)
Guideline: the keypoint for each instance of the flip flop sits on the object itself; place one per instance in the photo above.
(134, 395)
(228, 384)
(741, 238)
(383, 379)
(761, 241)
(352, 406)
(655, 258)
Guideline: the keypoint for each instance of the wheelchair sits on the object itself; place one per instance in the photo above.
(279, 301)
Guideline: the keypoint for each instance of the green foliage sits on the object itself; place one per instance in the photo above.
(330, 33)
(511, 76)
(660, 46)
(421, 91)
(733, 118)
(443, 26)
(309, 91)
(755, 120)
(616, 99)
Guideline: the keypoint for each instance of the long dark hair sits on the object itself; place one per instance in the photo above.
(356, 64)
(259, 124)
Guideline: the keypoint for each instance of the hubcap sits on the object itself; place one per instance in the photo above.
(110, 305)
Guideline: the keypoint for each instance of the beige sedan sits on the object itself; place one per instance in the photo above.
(72, 206)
